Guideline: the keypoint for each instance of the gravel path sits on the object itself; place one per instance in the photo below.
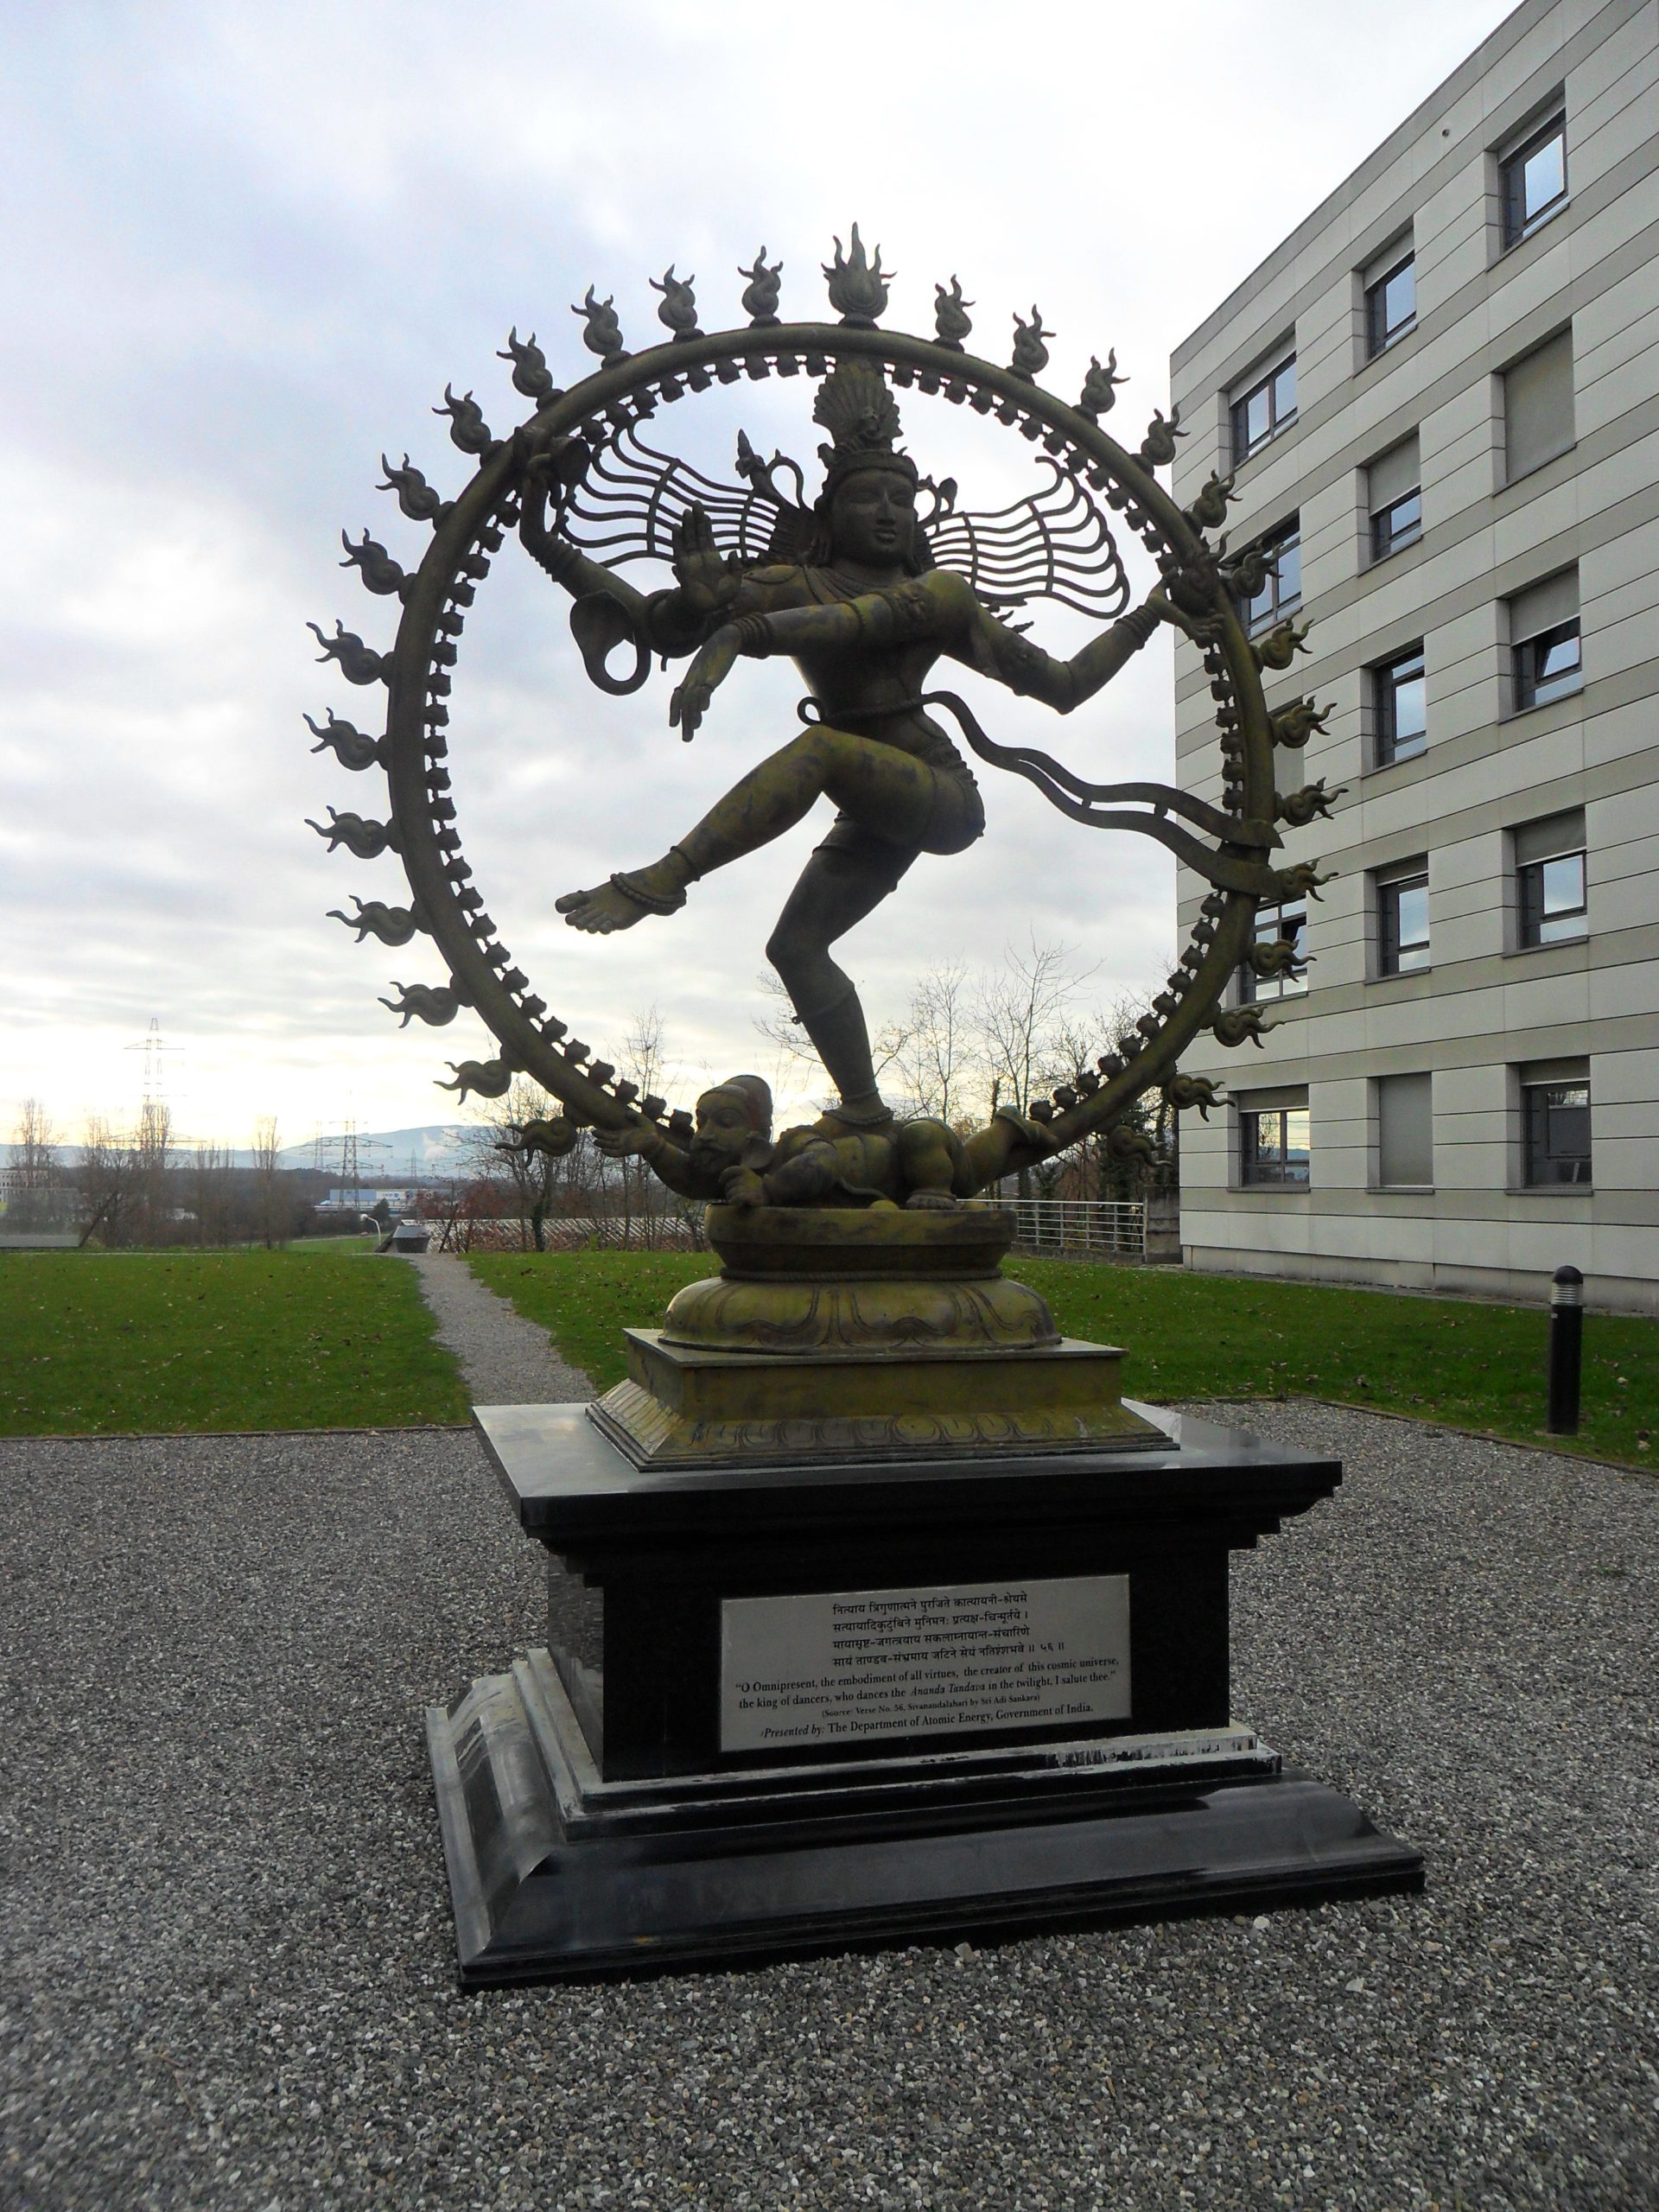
(228, 1975)
(506, 1360)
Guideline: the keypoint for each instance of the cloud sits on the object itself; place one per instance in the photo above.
(250, 245)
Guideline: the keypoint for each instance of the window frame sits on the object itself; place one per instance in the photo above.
(1272, 544)
(1535, 1108)
(1532, 917)
(1385, 712)
(1379, 1181)
(1242, 448)
(1512, 474)
(1391, 948)
(1527, 654)
(1258, 990)
(1518, 225)
(1293, 1173)
(1378, 339)
(1385, 545)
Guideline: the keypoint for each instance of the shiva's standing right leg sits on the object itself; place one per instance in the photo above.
(840, 886)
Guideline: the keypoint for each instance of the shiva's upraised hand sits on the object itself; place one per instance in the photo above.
(708, 583)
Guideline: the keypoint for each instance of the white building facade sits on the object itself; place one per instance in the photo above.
(1439, 400)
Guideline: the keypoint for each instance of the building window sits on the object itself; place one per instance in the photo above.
(1405, 1132)
(1538, 413)
(1545, 642)
(1401, 522)
(1394, 499)
(1286, 924)
(1549, 666)
(1281, 592)
(1550, 880)
(1534, 180)
(1555, 1125)
(1268, 407)
(1273, 1145)
(1391, 305)
(1399, 703)
(1402, 921)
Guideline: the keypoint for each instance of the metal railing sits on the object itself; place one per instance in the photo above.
(569, 1232)
(1113, 1226)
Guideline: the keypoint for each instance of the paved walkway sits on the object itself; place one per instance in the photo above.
(506, 1360)
(226, 1958)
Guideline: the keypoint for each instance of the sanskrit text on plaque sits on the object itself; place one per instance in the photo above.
(833, 1667)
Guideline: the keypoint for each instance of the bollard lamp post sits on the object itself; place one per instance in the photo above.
(1565, 1351)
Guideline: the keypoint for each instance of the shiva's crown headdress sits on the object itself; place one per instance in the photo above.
(855, 407)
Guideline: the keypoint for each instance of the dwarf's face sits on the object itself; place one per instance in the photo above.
(723, 1129)
(873, 518)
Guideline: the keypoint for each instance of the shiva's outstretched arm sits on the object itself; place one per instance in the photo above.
(995, 650)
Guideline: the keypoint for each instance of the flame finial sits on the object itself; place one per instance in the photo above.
(858, 288)
(950, 321)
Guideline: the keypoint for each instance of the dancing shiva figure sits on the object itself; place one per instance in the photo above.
(865, 616)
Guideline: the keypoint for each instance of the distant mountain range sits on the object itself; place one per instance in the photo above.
(441, 1148)
(432, 1153)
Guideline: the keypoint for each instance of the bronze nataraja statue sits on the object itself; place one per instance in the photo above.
(865, 615)
(866, 590)
(859, 1401)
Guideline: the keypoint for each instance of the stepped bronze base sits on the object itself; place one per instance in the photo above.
(836, 1336)
(686, 1409)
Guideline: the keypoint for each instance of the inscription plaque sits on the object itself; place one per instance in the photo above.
(835, 1667)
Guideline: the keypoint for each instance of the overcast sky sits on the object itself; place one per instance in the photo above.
(246, 247)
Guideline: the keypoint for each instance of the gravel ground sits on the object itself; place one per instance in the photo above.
(228, 1978)
(506, 1360)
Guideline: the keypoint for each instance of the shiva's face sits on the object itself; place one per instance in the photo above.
(872, 518)
(723, 1130)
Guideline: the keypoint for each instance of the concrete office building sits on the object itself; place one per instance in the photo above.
(1441, 400)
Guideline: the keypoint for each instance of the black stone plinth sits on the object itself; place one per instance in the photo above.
(592, 1822)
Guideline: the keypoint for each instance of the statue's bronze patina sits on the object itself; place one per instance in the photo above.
(865, 615)
(866, 586)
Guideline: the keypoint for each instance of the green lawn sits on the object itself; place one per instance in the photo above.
(1196, 1335)
(326, 1337)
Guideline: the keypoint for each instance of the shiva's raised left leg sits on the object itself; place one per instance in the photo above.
(890, 786)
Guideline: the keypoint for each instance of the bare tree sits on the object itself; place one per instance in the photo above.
(152, 1151)
(210, 1177)
(444, 1207)
(106, 1175)
(644, 1197)
(510, 1178)
(1018, 1010)
(934, 1047)
(31, 1182)
(35, 1147)
(530, 1164)
(271, 1213)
